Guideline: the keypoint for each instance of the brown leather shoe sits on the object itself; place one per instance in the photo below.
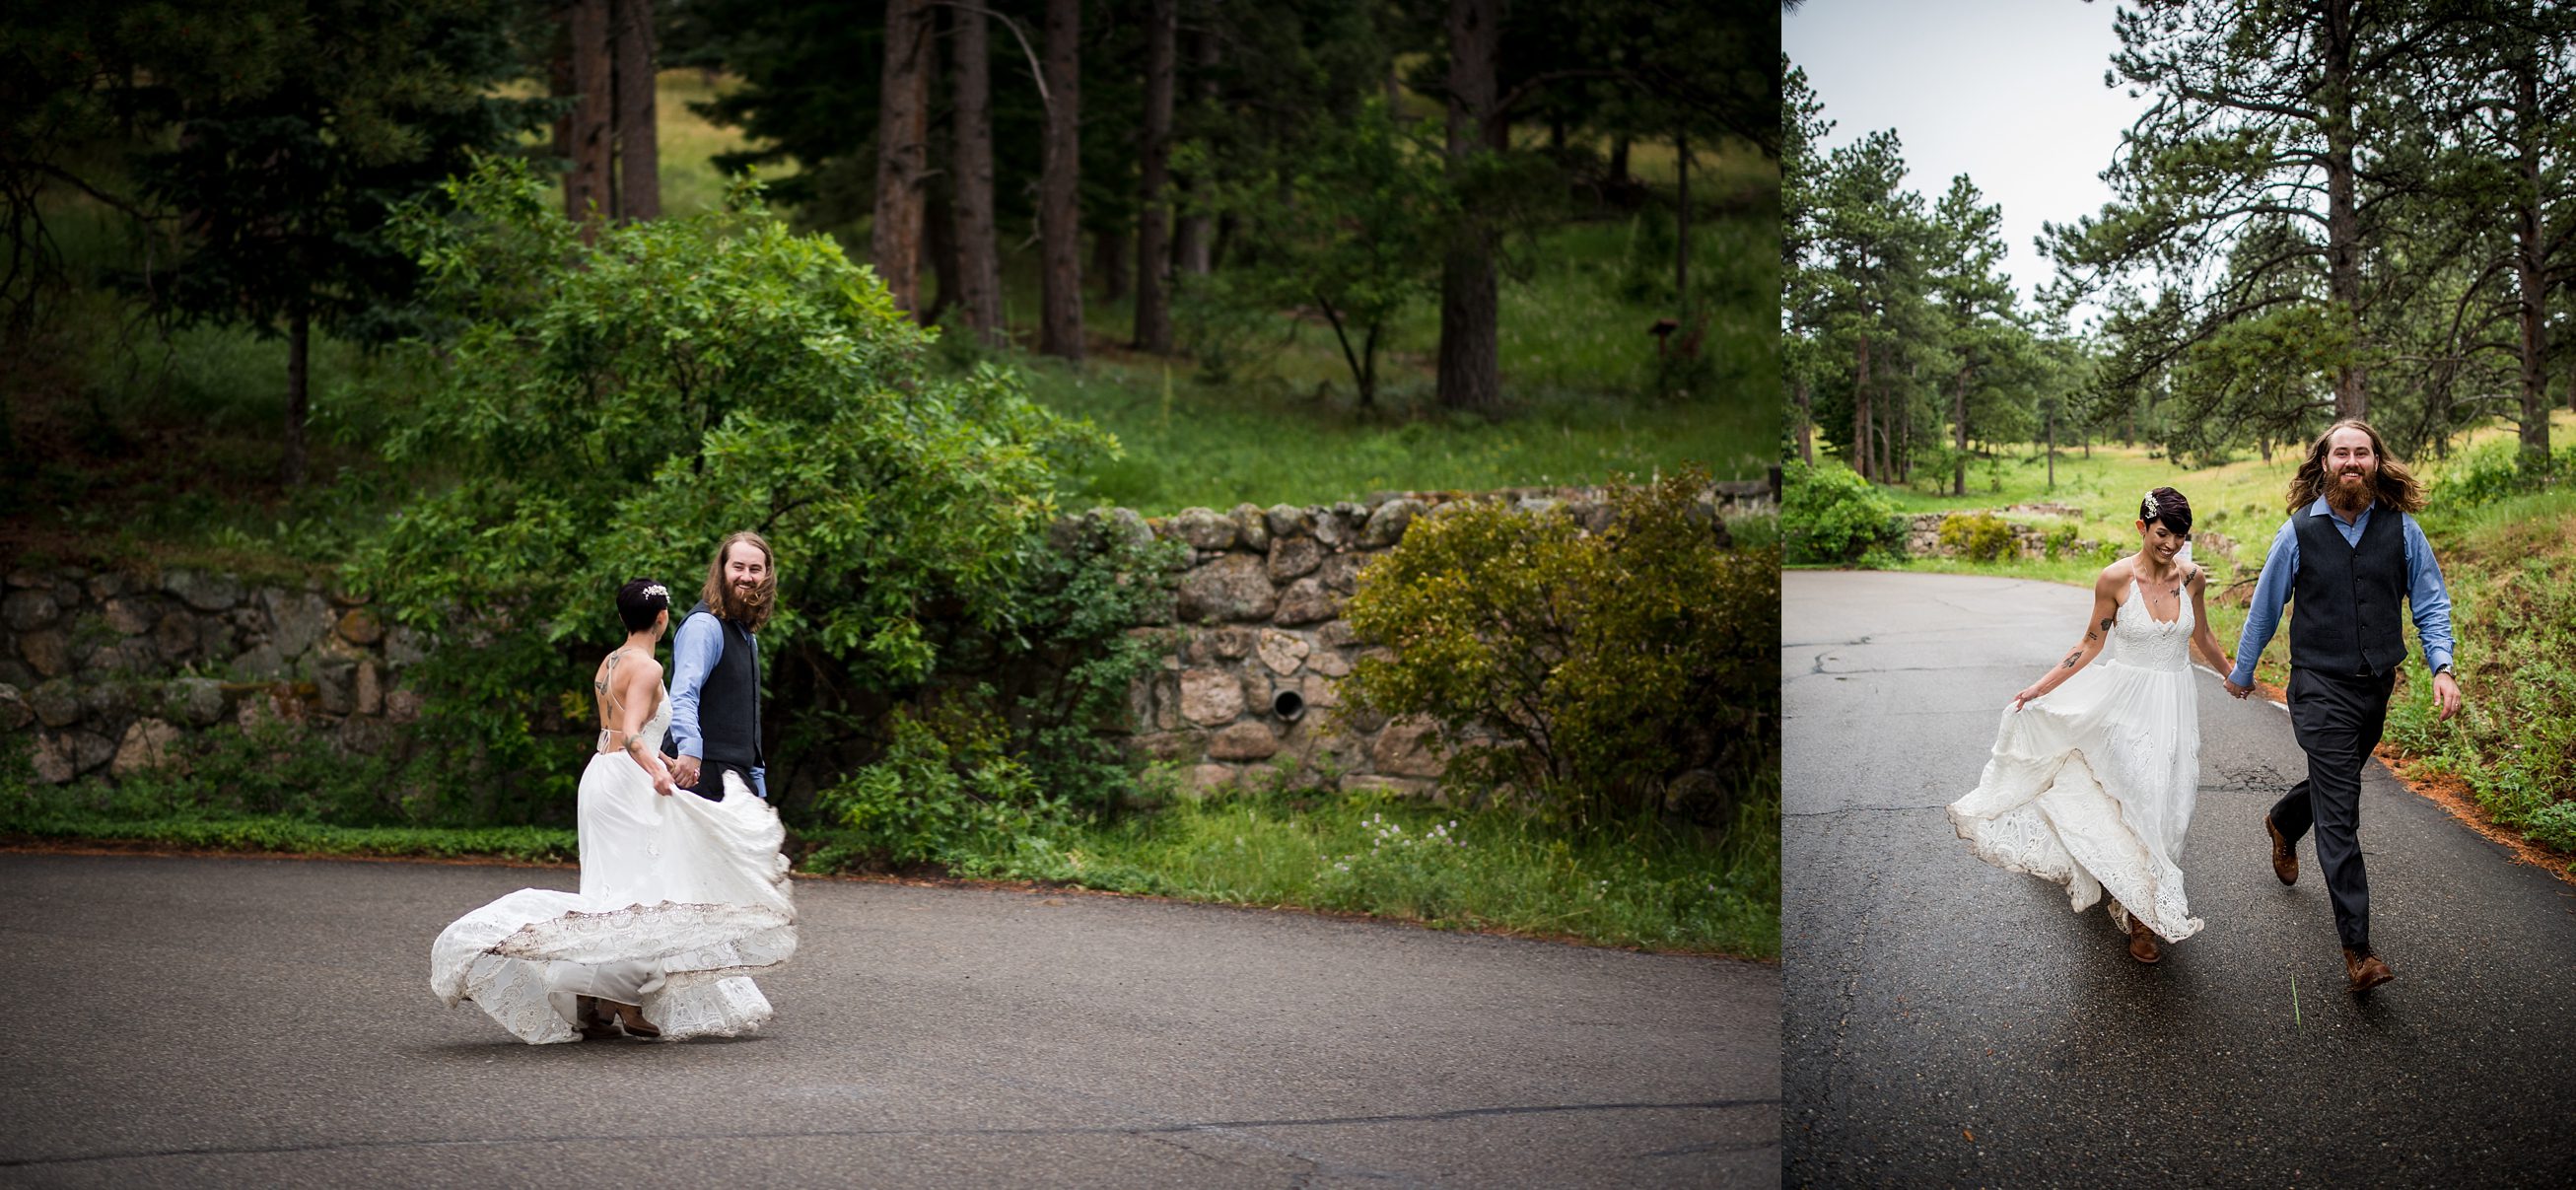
(586, 1019)
(2366, 971)
(633, 1018)
(2285, 858)
(2142, 941)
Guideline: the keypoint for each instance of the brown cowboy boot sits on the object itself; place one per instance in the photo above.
(633, 1018)
(2365, 970)
(2285, 859)
(2142, 941)
(586, 1018)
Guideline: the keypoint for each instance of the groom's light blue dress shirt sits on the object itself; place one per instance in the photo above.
(2425, 593)
(695, 649)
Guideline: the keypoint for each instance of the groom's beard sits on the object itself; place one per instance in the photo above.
(2348, 497)
(744, 603)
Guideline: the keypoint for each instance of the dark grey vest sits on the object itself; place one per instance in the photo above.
(729, 702)
(2345, 621)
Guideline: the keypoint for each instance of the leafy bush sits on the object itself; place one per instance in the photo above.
(1068, 660)
(612, 408)
(1981, 536)
(1831, 514)
(2553, 825)
(1588, 669)
(946, 781)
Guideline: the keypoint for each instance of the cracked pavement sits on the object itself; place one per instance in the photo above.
(1950, 1023)
(208, 1020)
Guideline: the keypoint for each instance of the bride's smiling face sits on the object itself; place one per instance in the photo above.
(2159, 542)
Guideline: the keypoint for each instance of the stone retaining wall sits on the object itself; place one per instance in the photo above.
(109, 671)
(1250, 667)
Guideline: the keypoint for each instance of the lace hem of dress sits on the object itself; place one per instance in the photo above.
(2020, 838)
(523, 960)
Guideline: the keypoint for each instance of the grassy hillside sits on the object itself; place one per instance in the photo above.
(139, 438)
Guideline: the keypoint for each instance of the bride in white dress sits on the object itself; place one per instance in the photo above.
(681, 896)
(2097, 764)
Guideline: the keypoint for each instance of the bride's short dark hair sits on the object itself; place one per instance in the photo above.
(639, 601)
(2169, 508)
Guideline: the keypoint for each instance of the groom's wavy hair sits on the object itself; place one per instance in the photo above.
(752, 612)
(2397, 487)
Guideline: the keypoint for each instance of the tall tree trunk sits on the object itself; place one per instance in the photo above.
(639, 153)
(1682, 214)
(1109, 259)
(1470, 369)
(1806, 424)
(2527, 253)
(1194, 236)
(1059, 187)
(586, 189)
(2343, 211)
(1153, 249)
(1959, 418)
(1860, 412)
(979, 257)
(2051, 416)
(939, 233)
(903, 151)
(299, 355)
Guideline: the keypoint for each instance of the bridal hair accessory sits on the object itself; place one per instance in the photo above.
(657, 591)
(2150, 506)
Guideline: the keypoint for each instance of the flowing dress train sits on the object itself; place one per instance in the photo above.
(681, 899)
(2091, 785)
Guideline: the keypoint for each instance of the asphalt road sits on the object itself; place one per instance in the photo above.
(1950, 1023)
(234, 1021)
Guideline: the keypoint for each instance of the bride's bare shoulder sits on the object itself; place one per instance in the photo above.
(2112, 578)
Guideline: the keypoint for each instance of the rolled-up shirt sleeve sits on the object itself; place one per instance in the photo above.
(2430, 598)
(695, 649)
(2271, 591)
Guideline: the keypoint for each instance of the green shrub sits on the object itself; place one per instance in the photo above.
(1588, 670)
(2553, 825)
(612, 408)
(1831, 514)
(947, 784)
(1981, 536)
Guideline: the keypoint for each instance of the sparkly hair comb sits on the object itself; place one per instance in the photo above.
(2149, 504)
(657, 591)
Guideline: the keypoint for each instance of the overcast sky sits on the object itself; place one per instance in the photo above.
(2008, 92)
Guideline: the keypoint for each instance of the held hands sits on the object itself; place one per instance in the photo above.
(684, 772)
(2234, 689)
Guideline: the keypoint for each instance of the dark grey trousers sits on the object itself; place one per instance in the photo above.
(2338, 721)
(711, 779)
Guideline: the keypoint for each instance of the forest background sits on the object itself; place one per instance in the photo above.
(2328, 210)
(473, 308)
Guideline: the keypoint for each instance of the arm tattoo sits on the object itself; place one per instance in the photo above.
(2071, 658)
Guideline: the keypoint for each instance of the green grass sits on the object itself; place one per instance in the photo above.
(1642, 886)
(295, 836)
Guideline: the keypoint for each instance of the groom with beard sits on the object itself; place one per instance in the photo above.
(715, 672)
(2350, 550)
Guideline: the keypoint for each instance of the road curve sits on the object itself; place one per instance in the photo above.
(230, 1021)
(1949, 1023)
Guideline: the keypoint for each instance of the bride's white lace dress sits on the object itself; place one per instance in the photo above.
(681, 898)
(2091, 785)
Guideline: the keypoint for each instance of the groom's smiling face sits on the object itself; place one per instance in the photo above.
(2352, 470)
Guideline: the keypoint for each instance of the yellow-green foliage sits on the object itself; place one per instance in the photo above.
(1979, 535)
(1589, 669)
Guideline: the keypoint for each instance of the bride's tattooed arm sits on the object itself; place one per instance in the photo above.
(2097, 633)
